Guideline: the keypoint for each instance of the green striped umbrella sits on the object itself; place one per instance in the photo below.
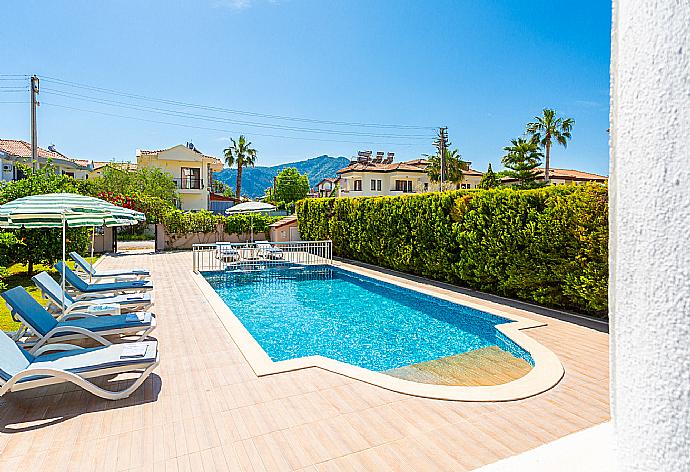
(62, 210)
(53, 210)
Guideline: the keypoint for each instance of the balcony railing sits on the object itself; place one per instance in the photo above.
(189, 183)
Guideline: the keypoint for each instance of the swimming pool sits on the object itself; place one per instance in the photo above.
(298, 311)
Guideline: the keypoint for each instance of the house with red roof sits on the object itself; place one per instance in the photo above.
(14, 153)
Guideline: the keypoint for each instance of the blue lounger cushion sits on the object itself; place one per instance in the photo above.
(84, 287)
(84, 264)
(35, 316)
(53, 290)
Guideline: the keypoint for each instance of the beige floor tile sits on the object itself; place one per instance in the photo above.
(205, 409)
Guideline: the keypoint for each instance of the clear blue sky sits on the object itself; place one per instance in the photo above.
(482, 68)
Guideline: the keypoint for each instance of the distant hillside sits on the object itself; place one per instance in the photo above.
(255, 181)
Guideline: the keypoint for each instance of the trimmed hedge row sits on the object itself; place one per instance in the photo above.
(181, 222)
(547, 245)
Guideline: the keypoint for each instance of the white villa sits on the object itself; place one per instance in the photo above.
(380, 176)
(192, 172)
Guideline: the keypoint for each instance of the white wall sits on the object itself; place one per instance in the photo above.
(650, 234)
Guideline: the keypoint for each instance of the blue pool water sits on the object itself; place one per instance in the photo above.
(303, 311)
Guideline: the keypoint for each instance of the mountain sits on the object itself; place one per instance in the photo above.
(256, 180)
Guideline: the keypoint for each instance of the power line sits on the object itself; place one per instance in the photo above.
(227, 110)
(195, 116)
(218, 129)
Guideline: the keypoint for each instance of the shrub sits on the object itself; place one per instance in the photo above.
(32, 246)
(545, 245)
(238, 224)
(180, 222)
(152, 207)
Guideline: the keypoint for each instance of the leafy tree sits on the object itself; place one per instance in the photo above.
(454, 166)
(522, 157)
(547, 128)
(242, 154)
(149, 181)
(291, 185)
(489, 180)
(42, 245)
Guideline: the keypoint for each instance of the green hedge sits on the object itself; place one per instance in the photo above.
(546, 245)
(180, 222)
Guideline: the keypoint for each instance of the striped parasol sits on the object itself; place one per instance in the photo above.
(53, 210)
(63, 210)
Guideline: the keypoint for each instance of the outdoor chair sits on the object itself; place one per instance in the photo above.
(39, 326)
(268, 251)
(52, 291)
(20, 370)
(83, 264)
(112, 287)
(227, 253)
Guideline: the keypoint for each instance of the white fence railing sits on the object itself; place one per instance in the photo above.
(221, 255)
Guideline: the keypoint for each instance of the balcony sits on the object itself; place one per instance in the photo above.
(189, 183)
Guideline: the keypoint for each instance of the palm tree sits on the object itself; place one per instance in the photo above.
(522, 157)
(453, 167)
(241, 153)
(548, 127)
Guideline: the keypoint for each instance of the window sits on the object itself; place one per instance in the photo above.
(69, 174)
(426, 186)
(403, 186)
(378, 185)
(358, 185)
(375, 185)
(191, 178)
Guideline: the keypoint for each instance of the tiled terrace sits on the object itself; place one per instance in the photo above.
(204, 409)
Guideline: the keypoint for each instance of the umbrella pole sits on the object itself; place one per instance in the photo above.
(93, 239)
(251, 225)
(64, 261)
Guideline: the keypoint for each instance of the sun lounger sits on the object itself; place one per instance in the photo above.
(44, 328)
(20, 370)
(112, 287)
(268, 251)
(52, 291)
(84, 265)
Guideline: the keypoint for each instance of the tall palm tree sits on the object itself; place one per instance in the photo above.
(546, 129)
(240, 152)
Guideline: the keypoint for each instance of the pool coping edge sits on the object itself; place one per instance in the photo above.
(546, 373)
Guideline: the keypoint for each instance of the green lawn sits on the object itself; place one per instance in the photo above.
(18, 277)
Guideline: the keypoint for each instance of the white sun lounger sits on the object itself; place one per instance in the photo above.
(83, 264)
(102, 288)
(20, 370)
(43, 328)
(268, 251)
(52, 291)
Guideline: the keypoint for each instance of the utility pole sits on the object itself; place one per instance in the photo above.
(441, 144)
(34, 136)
